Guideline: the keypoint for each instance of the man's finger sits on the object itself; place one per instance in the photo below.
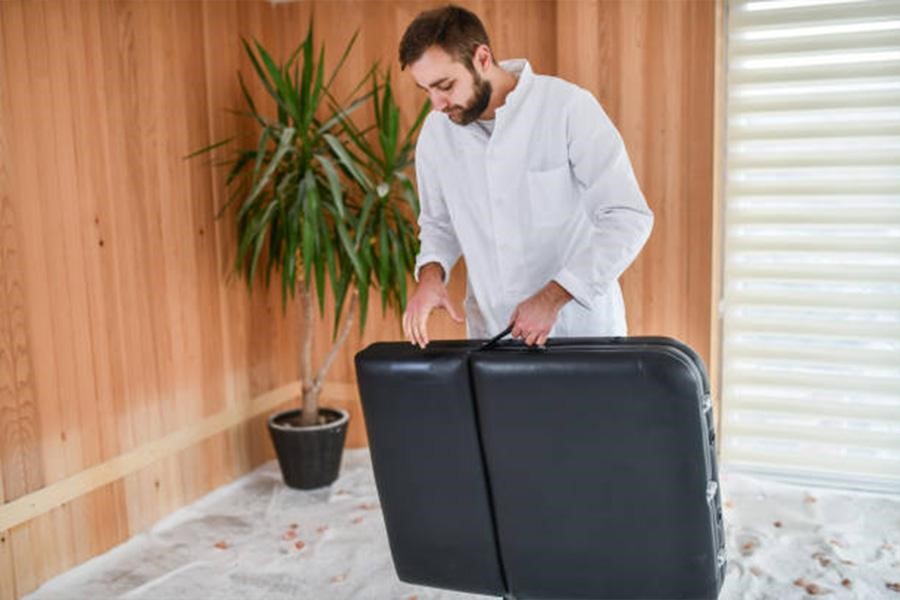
(406, 332)
(411, 327)
(532, 338)
(423, 331)
(542, 340)
(419, 328)
(450, 309)
(414, 328)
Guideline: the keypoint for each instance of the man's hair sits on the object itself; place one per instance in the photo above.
(455, 30)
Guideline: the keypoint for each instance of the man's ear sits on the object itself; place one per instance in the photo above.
(483, 58)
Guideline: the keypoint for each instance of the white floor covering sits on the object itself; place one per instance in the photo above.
(257, 539)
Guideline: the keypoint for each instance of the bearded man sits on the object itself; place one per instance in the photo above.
(526, 177)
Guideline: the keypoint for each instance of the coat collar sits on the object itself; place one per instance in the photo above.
(522, 70)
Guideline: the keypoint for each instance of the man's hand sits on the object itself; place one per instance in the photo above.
(534, 318)
(430, 294)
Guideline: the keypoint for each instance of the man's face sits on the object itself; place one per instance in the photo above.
(451, 86)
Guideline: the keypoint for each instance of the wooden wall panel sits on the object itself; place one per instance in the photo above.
(651, 64)
(117, 325)
(120, 321)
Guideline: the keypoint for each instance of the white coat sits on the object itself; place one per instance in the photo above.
(549, 195)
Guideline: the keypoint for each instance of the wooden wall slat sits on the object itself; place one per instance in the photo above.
(120, 320)
(21, 469)
(7, 568)
(651, 65)
(20, 465)
(699, 39)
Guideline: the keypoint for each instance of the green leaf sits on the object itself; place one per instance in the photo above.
(237, 193)
(363, 306)
(383, 261)
(287, 95)
(259, 70)
(319, 269)
(363, 81)
(339, 298)
(318, 85)
(389, 118)
(306, 233)
(349, 163)
(329, 251)
(261, 152)
(255, 225)
(275, 239)
(334, 182)
(306, 77)
(401, 274)
(359, 140)
(362, 225)
(339, 114)
(209, 148)
(294, 55)
(343, 58)
(409, 194)
(238, 165)
(350, 251)
(289, 258)
(253, 112)
(376, 100)
(258, 234)
(284, 145)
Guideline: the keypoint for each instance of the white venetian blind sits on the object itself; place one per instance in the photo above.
(811, 281)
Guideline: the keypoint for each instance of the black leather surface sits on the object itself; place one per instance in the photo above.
(427, 462)
(596, 460)
(589, 459)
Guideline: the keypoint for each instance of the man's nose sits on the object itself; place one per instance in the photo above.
(439, 100)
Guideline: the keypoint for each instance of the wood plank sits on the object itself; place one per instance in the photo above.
(25, 558)
(7, 571)
(21, 470)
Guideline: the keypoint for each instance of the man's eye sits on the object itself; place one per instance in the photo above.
(445, 88)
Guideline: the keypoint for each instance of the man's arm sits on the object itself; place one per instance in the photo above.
(615, 207)
(438, 252)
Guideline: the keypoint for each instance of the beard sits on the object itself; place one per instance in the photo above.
(477, 104)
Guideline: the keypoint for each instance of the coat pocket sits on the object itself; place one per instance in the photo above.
(550, 196)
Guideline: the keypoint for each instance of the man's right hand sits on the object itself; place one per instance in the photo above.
(431, 293)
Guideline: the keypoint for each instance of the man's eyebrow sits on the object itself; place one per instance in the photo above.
(434, 83)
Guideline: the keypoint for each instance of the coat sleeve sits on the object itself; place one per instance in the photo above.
(438, 241)
(620, 220)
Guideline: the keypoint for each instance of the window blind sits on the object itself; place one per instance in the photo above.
(811, 260)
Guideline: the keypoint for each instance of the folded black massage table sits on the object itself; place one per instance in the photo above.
(585, 469)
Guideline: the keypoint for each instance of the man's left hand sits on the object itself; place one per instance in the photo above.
(534, 318)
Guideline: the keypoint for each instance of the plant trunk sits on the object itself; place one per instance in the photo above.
(310, 415)
(312, 385)
(310, 396)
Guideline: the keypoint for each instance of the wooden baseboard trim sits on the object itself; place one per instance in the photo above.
(25, 508)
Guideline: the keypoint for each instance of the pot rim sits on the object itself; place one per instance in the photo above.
(342, 419)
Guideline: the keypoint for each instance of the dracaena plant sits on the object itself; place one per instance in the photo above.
(323, 203)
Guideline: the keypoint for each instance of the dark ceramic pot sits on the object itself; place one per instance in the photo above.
(310, 456)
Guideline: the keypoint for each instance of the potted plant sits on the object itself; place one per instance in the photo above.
(328, 206)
